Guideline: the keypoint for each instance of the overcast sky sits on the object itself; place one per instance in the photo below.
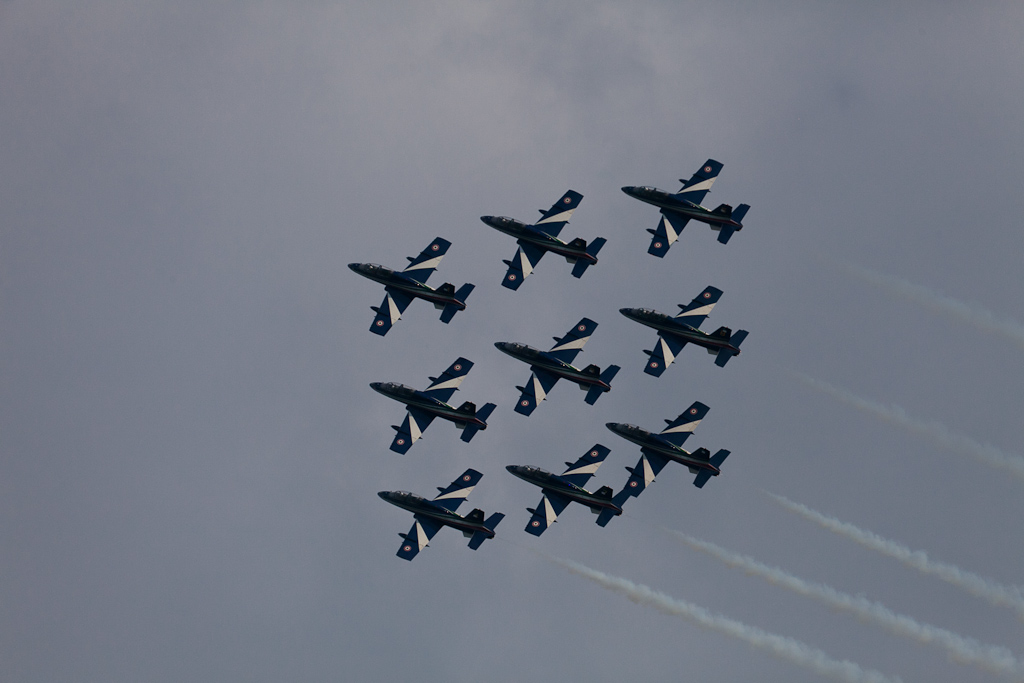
(190, 453)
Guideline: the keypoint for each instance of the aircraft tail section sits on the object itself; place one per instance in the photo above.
(471, 429)
(449, 311)
(582, 265)
(490, 523)
(607, 514)
(595, 391)
(725, 354)
(737, 215)
(717, 459)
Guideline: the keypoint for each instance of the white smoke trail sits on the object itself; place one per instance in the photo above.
(934, 431)
(941, 303)
(997, 660)
(995, 593)
(782, 647)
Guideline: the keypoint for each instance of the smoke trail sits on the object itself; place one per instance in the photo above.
(782, 647)
(979, 586)
(941, 303)
(997, 660)
(934, 431)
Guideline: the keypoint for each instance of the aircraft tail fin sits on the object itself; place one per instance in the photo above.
(581, 264)
(725, 354)
(608, 513)
(490, 523)
(737, 215)
(739, 212)
(450, 310)
(718, 458)
(595, 391)
(471, 429)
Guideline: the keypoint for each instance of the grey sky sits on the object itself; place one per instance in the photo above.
(189, 451)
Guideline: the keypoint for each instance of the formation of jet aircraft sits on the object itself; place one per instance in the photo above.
(547, 367)
(677, 209)
(541, 237)
(424, 406)
(431, 515)
(550, 366)
(411, 283)
(657, 450)
(674, 333)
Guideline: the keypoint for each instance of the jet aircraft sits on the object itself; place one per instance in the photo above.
(534, 240)
(677, 209)
(658, 449)
(550, 366)
(431, 515)
(424, 406)
(411, 283)
(561, 489)
(674, 333)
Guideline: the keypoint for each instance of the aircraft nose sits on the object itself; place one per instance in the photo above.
(628, 312)
(614, 426)
(629, 189)
(375, 386)
(487, 219)
(511, 468)
(384, 495)
(501, 346)
(354, 266)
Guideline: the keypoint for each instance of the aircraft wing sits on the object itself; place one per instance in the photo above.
(390, 310)
(665, 351)
(669, 228)
(696, 188)
(536, 389)
(695, 312)
(411, 430)
(554, 219)
(519, 268)
(647, 468)
(419, 536)
(580, 472)
(566, 348)
(420, 267)
(679, 429)
(448, 383)
(551, 505)
(452, 496)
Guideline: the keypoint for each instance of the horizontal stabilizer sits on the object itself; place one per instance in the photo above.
(608, 513)
(595, 391)
(470, 430)
(725, 233)
(582, 264)
(449, 310)
(725, 354)
(490, 523)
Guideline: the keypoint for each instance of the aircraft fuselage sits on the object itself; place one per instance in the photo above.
(548, 363)
(537, 238)
(667, 200)
(417, 399)
(653, 442)
(396, 280)
(669, 325)
(552, 483)
(418, 505)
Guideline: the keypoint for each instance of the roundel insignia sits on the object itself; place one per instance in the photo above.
(657, 245)
(406, 548)
(582, 328)
(434, 247)
(707, 295)
(707, 169)
(380, 323)
(693, 411)
(466, 477)
(593, 454)
(534, 523)
(457, 367)
(511, 276)
(632, 484)
(524, 402)
(400, 442)
(654, 363)
(566, 200)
